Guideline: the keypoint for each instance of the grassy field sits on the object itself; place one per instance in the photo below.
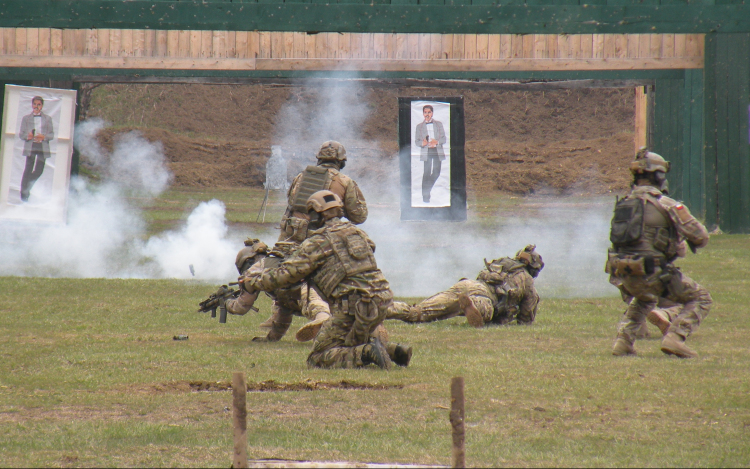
(90, 376)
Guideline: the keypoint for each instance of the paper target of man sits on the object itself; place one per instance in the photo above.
(430, 154)
(36, 149)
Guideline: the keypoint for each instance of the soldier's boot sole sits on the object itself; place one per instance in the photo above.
(623, 348)
(673, 344)
(310, 330)
(473, 316)
(659, 319)
(402, 355)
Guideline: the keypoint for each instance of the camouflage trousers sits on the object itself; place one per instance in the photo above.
(342, 338)
(692, 301)
(296, 301)
(446, 304)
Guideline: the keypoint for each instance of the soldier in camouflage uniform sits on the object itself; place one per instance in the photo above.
(326, 175)
(338, 260)
(647, 229)
(287, 302)
(502, 293)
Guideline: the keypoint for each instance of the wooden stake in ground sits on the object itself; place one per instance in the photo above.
(457, 422)
(239, 416)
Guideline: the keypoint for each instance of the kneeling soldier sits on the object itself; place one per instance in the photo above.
(338, 260)
(647, 230)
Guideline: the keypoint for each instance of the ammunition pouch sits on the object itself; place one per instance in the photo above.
(366, 315)
(624, 265)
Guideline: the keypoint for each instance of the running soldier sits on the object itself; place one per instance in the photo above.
(647, 229)
(326, 175)
(502, 293)
(338, 260)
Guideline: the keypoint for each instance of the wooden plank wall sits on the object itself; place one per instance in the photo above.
(242, 50)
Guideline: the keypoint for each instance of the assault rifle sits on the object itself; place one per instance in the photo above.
(218, 301)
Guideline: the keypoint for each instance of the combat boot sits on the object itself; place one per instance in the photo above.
(400, 354)
(674, 344)
(375, 353)
(311, 329)
(623, 346)
(473, 316)
(659, 318)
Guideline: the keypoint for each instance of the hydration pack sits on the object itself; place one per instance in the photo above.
(627, 223)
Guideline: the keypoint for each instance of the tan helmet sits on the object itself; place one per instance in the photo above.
(331, 151)
(252, 248)
(531, 259)
(323, 200)
(648, 162)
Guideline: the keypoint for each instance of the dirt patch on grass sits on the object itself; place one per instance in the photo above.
(263, 386)
(520, 142)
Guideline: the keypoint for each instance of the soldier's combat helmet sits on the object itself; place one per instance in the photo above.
(332, 151)
(246, 256)
(650, 166)
(322, 201)
(531, 259)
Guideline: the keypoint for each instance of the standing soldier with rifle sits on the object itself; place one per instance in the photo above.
(325, 175)
(338, 261)
(647, 229)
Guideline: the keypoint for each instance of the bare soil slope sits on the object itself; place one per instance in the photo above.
(557, 142)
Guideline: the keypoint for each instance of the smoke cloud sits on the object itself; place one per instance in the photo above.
(422, 258)
(104, 234)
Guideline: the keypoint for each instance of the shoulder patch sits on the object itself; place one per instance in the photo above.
(682, 212)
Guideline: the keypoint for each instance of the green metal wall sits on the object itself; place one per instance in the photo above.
(727, 148)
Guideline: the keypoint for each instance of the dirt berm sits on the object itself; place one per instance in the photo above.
(522, 142)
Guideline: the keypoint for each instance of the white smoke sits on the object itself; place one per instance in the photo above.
(104, 234)
(422, 258)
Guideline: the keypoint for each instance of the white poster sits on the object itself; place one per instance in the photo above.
(430, 154)
(36, 148)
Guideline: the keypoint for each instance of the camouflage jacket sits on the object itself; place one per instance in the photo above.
(320, 255)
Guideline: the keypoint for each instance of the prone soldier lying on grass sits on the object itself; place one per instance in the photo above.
(502, 293)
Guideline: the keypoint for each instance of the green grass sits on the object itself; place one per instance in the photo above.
(90, 376)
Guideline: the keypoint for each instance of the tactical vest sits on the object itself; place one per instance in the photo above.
(349, 254)
(314, 179)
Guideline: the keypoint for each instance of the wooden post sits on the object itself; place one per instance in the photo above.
(457, 422)
(239, 416)
(641, 112)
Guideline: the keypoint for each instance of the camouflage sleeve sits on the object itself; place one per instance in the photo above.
(354, 204)
(310, 255)
(687, 226)
(292, 191)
